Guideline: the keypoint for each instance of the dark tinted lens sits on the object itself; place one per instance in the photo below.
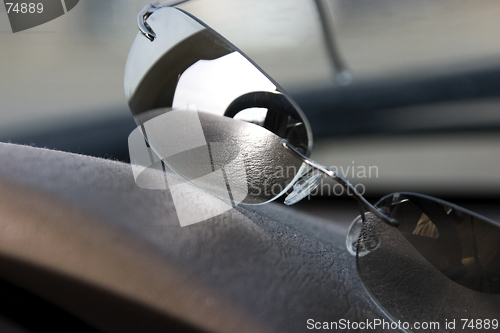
(463, 246)
(442, 262)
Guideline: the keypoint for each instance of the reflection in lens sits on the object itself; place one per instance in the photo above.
(442, 262)
(462, 245)
(189, 66)
(234, 160)
(362, 238)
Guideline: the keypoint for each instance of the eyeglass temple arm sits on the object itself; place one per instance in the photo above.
(343, 76)
(341, 180)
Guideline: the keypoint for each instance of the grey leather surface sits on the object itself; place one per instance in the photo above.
(258, 268)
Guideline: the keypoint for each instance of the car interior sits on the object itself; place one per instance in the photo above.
(401, 96)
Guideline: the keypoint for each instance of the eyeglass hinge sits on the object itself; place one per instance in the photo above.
(149, 9)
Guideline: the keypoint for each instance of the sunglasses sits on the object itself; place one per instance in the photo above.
(218, 121)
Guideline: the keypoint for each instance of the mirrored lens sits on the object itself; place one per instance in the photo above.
(234, 160)
(442, 262)
(189, 65)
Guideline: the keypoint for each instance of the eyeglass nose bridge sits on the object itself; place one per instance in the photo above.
(344, 182)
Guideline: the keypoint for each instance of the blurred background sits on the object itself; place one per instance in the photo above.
(422, 110)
